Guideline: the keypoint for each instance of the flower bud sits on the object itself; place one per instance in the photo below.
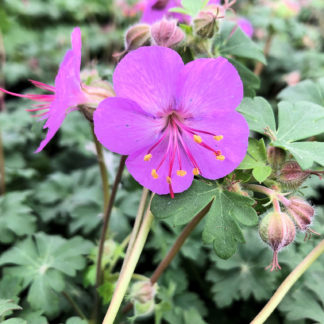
(276, 156)
(137, 36)
(277, 230)
(292, 175)
(142, 296)
(167, 33)
(205, 24)
(302, 213)
(160, 4)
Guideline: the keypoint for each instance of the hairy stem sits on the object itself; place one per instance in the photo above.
(259, 66)
(128, 269)
(288, 283)
(74, 305)
(257, 188)
(103, 169)
(174, 249)
(2, 169)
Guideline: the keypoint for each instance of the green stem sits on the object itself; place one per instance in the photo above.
(136, 226)
(288, 283)
(2, 79)
(2, 169)
(74, 305)
(128, 269)
(103, 169)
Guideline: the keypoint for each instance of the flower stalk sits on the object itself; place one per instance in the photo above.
(2, 169)
(128, 268)
(288, 283)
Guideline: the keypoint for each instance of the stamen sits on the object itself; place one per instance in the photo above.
(220, 157)
(217, 153)
(154, 174)
(181, 173)
(197, 139)
(218, 137)
(195, 171)
(168, 179)
(147, 157)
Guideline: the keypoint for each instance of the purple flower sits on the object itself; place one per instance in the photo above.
(174, 120)
(157, 9)
(67, 93)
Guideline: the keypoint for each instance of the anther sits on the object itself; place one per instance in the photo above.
(168, 179)
(154, 174)
(197, 139)
(218, 137)
(195, 171)
(181, 173)
(220, 157)
(147, 157)
(218, 153)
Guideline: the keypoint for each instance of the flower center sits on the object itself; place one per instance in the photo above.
(173, 131)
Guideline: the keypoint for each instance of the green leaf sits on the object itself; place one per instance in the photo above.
(243, 276)
(250, 81)
(221, 225)
(7, 305)
(306, 90)
(189, 7)
(14, 321)
(43, 262)
(237, 43)
(295, 125)
(15, 218)
(256, 159)
(258, 113)
(261, 173)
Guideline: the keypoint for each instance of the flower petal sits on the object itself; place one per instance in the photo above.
(122, 126)
(141, 170)
(54, 122)
(235, 131)
(148, 76)
(209, 85)
(67, 81)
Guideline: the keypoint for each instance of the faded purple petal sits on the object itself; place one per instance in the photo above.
(148, 76)
(235, 131)
(123, 127)
(246, 26)
(141, 170)
(209, 85)
(151, 14)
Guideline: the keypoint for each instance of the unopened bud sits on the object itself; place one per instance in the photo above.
(301, 212)
(205, 24)
(167, 33)
(137, 36)
(292, 175)
(276, 156)
(142, 296)
(277, 230)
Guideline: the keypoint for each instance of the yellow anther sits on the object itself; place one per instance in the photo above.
(168, 179)
(181, 173)
(220, 157)
(195, 171)
(147, 157)
(218, 137)
(154, 174)
(197, 139)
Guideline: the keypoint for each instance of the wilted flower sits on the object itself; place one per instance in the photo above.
(276, 156)
(137, 36)
(66, 95)
(277, 230)
(174, 120)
